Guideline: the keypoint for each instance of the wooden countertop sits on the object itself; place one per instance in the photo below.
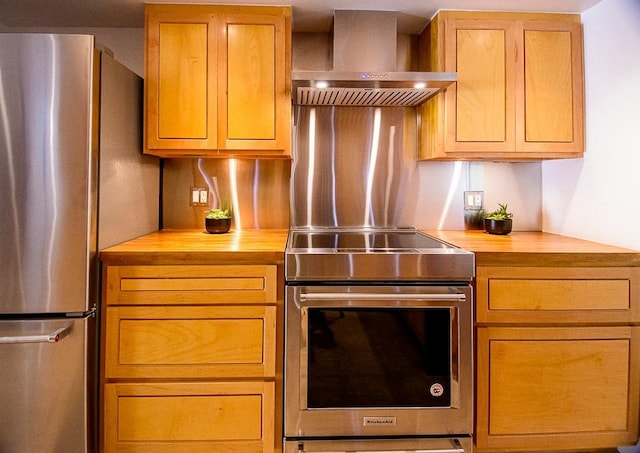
(199, 247)
(519, 248)
(534, 248)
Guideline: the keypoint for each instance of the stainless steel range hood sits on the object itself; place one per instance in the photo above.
(364, 67)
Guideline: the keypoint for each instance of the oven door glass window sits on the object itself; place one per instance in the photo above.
(379, 357)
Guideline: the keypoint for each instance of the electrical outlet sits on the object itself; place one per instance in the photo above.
(198, 196)
(473, 210)
(473, 200)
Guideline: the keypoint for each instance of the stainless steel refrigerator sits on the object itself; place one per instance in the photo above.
(72, 181)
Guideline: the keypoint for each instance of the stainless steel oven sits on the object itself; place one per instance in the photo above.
(378, 353)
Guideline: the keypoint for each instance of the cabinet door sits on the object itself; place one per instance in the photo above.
(550, 91)
(191, 285)
(481, 105)
(553, 295)
(557, 388)
(196, 417)
(190, 342)
(254, 103)
(181, 81)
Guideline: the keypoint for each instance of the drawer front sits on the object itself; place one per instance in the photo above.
(190, 284)
(556, 295)
(224, 417)
(190, 342)
(579, 385)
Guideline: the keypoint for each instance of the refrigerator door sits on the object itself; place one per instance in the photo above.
(46, 402)
(47, 172)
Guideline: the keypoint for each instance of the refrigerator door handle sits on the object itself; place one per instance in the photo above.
(52, 337)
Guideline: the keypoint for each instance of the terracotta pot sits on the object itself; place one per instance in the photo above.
(217, 226)
(498, 226)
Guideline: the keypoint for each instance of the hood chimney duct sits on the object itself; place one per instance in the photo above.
(365, 41)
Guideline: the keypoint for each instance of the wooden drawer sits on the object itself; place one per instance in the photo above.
(557, 295)
(568, 388)
(190, 284)
(190, 342)
(198, 417)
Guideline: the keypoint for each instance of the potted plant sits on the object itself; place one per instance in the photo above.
(217, 220)
(499, 221)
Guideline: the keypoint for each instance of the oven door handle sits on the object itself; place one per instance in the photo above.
(364, 296)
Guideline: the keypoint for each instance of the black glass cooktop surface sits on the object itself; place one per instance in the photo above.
(366, 240)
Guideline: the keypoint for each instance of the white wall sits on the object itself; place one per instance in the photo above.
(598, 197)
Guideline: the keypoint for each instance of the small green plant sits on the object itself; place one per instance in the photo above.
(218, 214)
(499, 214)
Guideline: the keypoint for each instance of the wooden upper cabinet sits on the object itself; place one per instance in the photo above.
(519, 94)
(218, 81)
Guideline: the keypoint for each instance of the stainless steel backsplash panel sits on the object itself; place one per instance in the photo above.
(353, 166)
(257, 190)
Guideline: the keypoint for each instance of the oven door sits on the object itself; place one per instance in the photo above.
(378, 361)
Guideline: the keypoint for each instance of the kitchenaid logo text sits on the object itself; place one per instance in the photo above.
(376, 421)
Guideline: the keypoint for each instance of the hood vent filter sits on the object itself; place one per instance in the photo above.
(367, 97)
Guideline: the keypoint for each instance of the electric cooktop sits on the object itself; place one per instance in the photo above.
(373, 254)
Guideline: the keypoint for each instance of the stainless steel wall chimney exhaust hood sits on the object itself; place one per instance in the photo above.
(364, 67)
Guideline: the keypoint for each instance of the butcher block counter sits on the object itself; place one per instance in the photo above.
(198, 246)
(535, 248)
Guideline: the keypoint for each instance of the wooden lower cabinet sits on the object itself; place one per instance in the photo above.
(189, 359)
(557, 358)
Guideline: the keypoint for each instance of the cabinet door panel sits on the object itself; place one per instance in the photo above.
(481, 86)
(182, 80)
(481, 105)
(191, 284)
(224, 417)
(550, 94)
(554, 295)
(251, 89)
(548, 86)
(169, 342)
(577, 386)
(254, 100)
